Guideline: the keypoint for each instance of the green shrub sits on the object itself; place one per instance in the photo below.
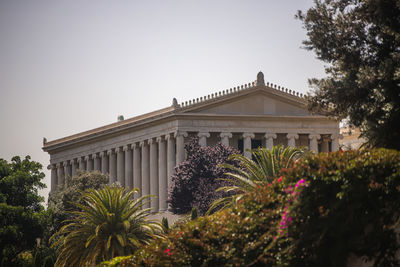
(240, 236)
(351, 206)
(324, 209)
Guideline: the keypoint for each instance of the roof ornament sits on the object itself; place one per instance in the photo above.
(44, 140)
(175, 103)
(260, 79)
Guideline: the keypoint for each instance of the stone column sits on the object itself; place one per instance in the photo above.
(128, 167)
(335, 141)
(225, 138)
(162, 174)
(81, 164)
(113, 165)
(154, 174)
(203, 138)
(145, 171)
(314, 142)
(171, 158)
(180, 146)
(89, 164)
(120, 166)
(270, 140)
(137, 172)
(73, 167)
(291, 139)
(247, 144)
(325, 144)
(54, 181)
(60, 173)
(67, 169)
(104, 162)
(97, 162)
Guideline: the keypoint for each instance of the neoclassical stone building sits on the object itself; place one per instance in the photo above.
(143, 151)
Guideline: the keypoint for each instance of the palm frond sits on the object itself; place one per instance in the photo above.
(261, 169)
(109, 222)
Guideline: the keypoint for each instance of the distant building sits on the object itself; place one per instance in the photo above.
(143, 151)
(350, 138)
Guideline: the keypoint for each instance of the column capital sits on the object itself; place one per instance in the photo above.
(292, 135)
(126, 148)
(71, 161)
(247, 135)
(203, 134)
(65, 163)
(168, 136)
(94, 156)
(79, 159)
(314, 136)
(102, 153)
(225, 134)
(134, 145)
(118, 149)
(110, 152)
(143, 143)
(151, 141)
(180, 133)
(87, 157)
(160, 139)
(58, 165)
(270, 135)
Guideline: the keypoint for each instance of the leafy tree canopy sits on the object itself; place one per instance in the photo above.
(195, 181)
(64, 199)
(360, 42)
(21, 212)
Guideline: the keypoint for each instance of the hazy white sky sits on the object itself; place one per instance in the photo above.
(70, 66)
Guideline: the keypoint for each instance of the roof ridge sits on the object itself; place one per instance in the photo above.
(237, 89)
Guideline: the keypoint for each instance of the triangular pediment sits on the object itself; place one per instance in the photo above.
(257, 102)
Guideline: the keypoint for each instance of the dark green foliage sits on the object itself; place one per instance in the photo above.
(193, 214)
(348, 205)
(64, 199)
(48, 262)
(196, 179)
(360, 42)
(351, 205)
(42, 255)
(230, 237)
(165, 224)
(21, 212)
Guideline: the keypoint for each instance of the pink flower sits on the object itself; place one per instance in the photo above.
(167, 250)
(280, 179)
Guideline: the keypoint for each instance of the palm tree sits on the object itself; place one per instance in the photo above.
(261, 170)
(110, 223)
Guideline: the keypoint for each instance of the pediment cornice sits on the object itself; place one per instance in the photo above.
(269, 90)
(188, 109)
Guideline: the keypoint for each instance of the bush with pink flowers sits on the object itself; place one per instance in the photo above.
(323, 210)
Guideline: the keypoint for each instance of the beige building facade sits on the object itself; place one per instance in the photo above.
(350, 138)
(143, 151)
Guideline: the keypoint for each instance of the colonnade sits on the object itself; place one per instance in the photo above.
(149, 164)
